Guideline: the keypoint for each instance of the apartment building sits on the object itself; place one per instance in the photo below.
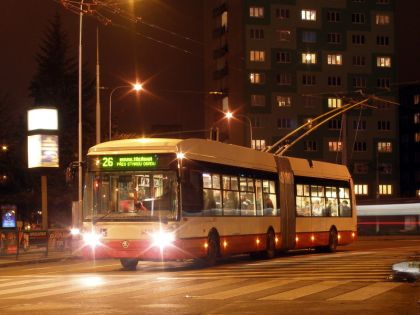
(278, 64)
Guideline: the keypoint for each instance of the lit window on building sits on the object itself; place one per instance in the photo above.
(334, 146)
(335, 59)
(417, 137)
(308, 15)
(385, 189)
(361, 189)
(284, 101)
(382, 19)
(418, 193)
(257, 77)
(416, 99)
(385, 147)
(257, 100)
(256, 12)
(258, 144)
(385, 168)
(383, 62)
(417, 118)
(334, 102)
(309, 58)
(257, 55)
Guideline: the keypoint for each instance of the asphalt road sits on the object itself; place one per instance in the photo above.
(352, 280)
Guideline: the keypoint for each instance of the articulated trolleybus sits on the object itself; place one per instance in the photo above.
(174, 199)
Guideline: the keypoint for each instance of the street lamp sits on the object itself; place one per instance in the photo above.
(136, 87)
(230, 115)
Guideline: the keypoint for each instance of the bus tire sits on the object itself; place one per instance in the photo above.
(270, 251)
(332, 242)
(212, 249)
(129, 263)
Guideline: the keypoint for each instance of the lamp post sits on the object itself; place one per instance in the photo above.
(136, 87)
(230, 115)
(80, 170)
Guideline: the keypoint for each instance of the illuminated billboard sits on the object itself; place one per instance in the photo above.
(43, 151)
(42, 118)
(8, 216)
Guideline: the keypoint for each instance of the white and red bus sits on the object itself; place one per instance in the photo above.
(165, 199)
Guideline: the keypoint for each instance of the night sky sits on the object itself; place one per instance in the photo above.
(173, 78)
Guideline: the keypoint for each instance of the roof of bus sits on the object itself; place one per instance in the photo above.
(221, 153)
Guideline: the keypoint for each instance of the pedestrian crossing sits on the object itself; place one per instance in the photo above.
(340, 277)
(222, 289)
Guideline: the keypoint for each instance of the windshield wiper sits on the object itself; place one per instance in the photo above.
(94, 221)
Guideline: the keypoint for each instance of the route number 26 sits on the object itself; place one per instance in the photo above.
(107, 162)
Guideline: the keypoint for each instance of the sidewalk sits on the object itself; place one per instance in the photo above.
(27, 258)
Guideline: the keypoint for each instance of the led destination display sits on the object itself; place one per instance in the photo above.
(137, 161)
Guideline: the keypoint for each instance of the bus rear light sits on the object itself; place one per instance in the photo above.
(206, 245)
(225, 244)
(297, 239)
(353, 234)
(277, 240)
(339, 236)
(312, 238)
(257, 241)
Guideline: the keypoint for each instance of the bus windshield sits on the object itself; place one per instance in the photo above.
(134, 196)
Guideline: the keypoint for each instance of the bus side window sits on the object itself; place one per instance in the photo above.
(191, 194)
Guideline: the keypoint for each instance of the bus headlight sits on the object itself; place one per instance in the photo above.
(162, 238)
(92, 239)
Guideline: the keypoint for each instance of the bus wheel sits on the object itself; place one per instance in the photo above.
(270, 251)
(332, 242)
(212, 250)
(129, 264)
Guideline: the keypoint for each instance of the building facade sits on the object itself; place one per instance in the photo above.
(278, 64)
(410, 141)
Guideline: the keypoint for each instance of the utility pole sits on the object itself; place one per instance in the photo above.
(98, 94)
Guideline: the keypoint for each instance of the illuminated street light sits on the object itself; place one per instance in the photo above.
(230, 115)
(136, 87)
(4, 148)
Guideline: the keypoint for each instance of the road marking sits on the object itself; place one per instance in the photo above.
(366, 292)
(304, 291)
(76, 286)
(34, 287)
(137, 288)
(223, 295)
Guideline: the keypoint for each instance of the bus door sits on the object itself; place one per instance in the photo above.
(287, 203)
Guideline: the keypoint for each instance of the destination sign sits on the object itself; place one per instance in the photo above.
(127, 161)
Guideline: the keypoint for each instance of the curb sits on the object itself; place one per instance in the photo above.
(36, 261)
